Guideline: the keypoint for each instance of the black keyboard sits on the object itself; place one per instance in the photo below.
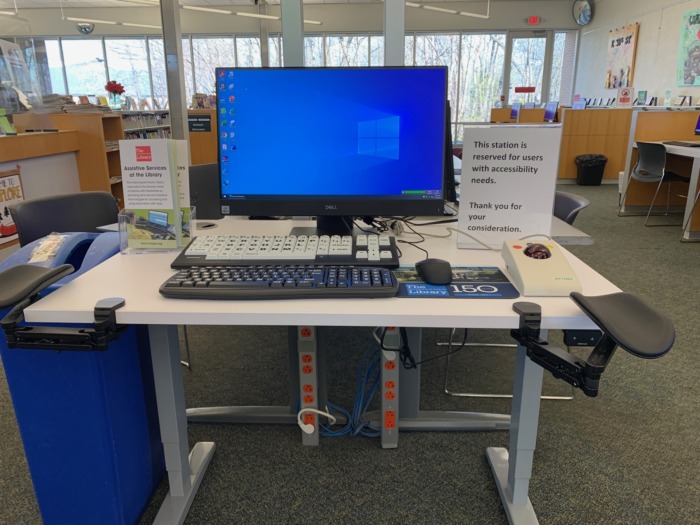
(280, 282)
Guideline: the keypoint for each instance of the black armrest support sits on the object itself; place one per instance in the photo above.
(20, 287)
(625, 320)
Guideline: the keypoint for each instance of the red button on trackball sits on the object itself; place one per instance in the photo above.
(517, 247)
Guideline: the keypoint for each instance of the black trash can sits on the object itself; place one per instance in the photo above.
(590, 169)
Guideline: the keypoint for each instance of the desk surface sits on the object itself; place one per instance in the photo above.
(137, 278)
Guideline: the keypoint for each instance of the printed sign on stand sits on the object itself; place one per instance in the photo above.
(508, 182)
(156, 213)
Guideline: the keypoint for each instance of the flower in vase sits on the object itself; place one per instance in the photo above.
(114, 87)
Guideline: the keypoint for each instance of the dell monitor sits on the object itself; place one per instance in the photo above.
(333, 143)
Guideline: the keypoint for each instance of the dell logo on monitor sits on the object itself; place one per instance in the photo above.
(331, 207)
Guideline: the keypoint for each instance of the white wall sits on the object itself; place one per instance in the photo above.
(657, 46)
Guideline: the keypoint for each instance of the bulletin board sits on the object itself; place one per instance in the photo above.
(622, 49)
(688, 68)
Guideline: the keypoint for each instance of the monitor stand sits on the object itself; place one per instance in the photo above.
(327, 225)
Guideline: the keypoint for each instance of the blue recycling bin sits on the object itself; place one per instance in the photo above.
(88, 419)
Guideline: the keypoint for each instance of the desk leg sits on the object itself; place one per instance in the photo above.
(185, 472)
(692, 191)
(412, 418)
(512, 471)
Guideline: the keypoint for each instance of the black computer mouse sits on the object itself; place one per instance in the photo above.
(434, 271)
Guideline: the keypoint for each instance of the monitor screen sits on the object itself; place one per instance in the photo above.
(515, 110)
(338, 142)
(550, 111)
(159, 218)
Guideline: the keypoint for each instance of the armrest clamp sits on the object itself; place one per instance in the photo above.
(581, 374)
(105, 329)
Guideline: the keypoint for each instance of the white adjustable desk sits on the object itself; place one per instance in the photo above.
(136, 278)
(693, 153)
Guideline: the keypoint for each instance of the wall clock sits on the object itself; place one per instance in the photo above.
(583, 12)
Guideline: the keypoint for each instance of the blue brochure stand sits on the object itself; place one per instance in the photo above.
(88, 419)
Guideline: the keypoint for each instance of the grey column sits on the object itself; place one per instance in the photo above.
(174, 68)
(293, 32)
(394, 32)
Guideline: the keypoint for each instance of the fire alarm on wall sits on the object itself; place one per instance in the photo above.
(533, 20)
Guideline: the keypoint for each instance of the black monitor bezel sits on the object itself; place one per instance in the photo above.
(370, 205)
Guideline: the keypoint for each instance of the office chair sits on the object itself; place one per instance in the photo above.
(72, 212)
(567, 206)
(651, 168)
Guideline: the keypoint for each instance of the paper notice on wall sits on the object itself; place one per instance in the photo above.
(508, 182)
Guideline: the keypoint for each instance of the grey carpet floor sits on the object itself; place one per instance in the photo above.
(630, 456)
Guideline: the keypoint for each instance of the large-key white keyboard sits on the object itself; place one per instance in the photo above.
(365, 249)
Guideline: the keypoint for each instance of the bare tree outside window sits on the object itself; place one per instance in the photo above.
(313, 51)
(248, 51)
(347, 50)
(127, 61)
(481, 74)
(210, 53)
(160, 82)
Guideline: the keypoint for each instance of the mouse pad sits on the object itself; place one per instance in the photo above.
(472, 282)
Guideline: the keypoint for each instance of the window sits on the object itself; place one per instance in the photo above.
(248, 52)
(313, 51)
(210, 53)
(158, 78)
(127, 62)
(187, 64)
(85, 68)
(527, 62)
(275, 51)
(481, 78)
(347, 50)
(376, 50)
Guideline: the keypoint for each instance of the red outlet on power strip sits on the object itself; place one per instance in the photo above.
(389, 384)
(390, 365)
(310, 419)
(307, 358)
(308, 388)
(307, 369)
(308, 399)
(390, 395)
(390, 419)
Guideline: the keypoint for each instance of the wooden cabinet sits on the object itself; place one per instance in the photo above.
(202, 133)
(99, 165)
(603, 131)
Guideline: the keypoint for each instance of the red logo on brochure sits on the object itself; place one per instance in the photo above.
(143, 154)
